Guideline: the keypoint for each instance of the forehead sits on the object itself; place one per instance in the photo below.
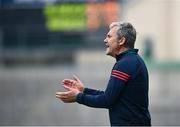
(113, 31)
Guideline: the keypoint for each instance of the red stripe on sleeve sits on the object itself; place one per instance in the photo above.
(119, 77)
(122, 73)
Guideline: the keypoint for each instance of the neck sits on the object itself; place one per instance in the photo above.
(123, 49)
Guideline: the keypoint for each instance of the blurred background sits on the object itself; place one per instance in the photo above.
(45, 41)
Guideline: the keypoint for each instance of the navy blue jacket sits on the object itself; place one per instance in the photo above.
(126, 95)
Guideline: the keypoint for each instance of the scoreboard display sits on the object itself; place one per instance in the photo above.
(67, 16)
(80, 16)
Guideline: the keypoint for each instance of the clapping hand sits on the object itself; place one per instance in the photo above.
(73, 86)
(74, 83)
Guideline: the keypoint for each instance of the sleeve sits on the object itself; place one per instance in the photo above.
(120, 75)
(92, 91)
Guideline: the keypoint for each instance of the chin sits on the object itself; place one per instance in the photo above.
(108, 53)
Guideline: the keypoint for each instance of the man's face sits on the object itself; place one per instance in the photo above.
(111, 42)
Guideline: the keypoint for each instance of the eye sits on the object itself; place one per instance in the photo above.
(109, 36)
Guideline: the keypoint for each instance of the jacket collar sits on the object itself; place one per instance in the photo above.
(129, 51)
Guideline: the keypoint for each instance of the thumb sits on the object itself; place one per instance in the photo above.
(76, 78)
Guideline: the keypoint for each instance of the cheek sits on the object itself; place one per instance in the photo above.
(113, 45)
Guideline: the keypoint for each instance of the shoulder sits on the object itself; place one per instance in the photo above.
(127, 64)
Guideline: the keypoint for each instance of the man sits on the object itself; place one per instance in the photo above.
(126, 95)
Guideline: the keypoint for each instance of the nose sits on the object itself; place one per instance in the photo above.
(105, 40)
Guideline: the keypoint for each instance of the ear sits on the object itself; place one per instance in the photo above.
(122, 41)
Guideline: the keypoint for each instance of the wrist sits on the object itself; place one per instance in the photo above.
(82, 89)
(76, 96)
(79, 98)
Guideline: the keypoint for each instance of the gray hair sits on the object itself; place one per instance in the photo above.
(126, 30)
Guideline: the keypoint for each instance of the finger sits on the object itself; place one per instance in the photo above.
(61, 97)
(58, 96)
(76, 78)
(74, 83)
(67, 88)
(66, 100)
(68, 82)
(62, 93)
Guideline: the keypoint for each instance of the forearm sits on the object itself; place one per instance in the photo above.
(103, 99)
(96, 101)
(92, 91)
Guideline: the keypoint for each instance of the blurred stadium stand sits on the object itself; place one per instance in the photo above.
(26, 38)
